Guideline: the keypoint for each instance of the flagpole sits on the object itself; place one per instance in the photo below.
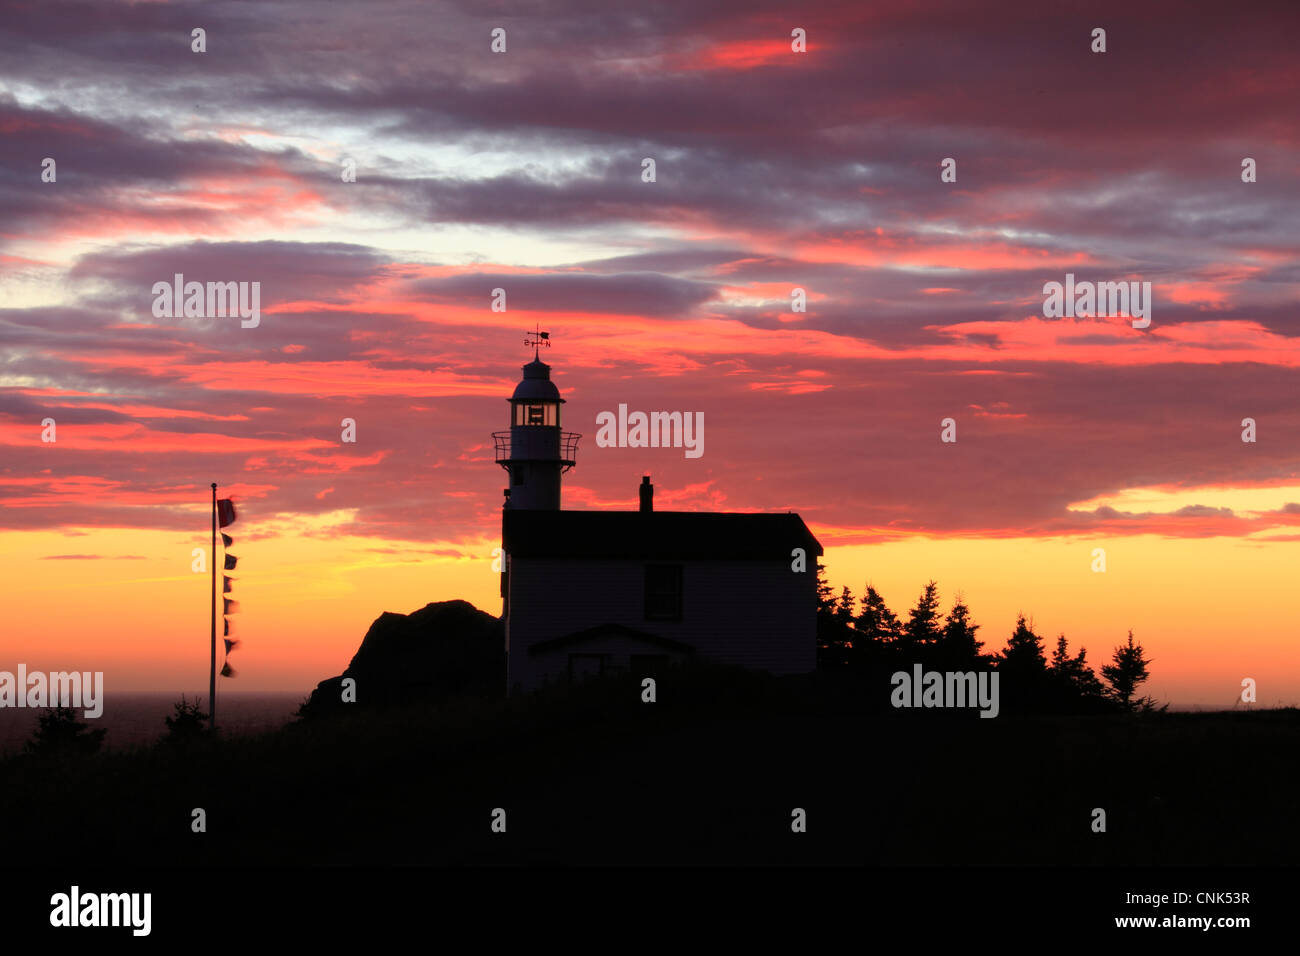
(212, 672)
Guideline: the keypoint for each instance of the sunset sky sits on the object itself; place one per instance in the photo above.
(774, 170)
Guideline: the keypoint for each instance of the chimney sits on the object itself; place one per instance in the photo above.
(647, 494)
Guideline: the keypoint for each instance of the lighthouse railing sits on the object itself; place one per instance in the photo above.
(568, 447)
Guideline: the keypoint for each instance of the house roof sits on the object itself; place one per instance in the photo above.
(656, 535)
(609, 630)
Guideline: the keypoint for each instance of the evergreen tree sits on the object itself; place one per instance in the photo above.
(958, 636)
(876, 630)
(834, 633)
(922, 627)
(1025, 684)
(844, 609)
(60, 733)
(188, 723)
(1024, 651)
(1060, 657)
(1073, 674)
(1129, 668)
(825, 593)
(876, 623)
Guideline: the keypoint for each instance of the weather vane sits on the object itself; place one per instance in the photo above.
(537, 337)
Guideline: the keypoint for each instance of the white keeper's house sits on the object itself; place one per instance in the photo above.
(588, 593)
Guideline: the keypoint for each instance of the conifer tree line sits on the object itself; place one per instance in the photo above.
(863, 635)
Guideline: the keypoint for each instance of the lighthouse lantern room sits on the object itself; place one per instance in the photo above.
(534, 452)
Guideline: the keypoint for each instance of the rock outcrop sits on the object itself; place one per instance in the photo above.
(445, 649)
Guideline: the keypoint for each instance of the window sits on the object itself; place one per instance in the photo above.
(663, 592)
(537, 413)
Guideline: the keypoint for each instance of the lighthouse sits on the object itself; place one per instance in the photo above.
(587, 593)
(534, 452)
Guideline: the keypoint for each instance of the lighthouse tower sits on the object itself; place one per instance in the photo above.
(535, 453)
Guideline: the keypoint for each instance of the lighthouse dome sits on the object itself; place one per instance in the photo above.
(536, 385)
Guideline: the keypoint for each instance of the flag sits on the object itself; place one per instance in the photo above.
(227, 629)
(227, 670)
(230, 645)
(225, 584)
(231, 561)
(225, 512)
(226, 540)
(232, 607)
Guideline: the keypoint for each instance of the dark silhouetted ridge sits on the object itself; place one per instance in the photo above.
(447, 648)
